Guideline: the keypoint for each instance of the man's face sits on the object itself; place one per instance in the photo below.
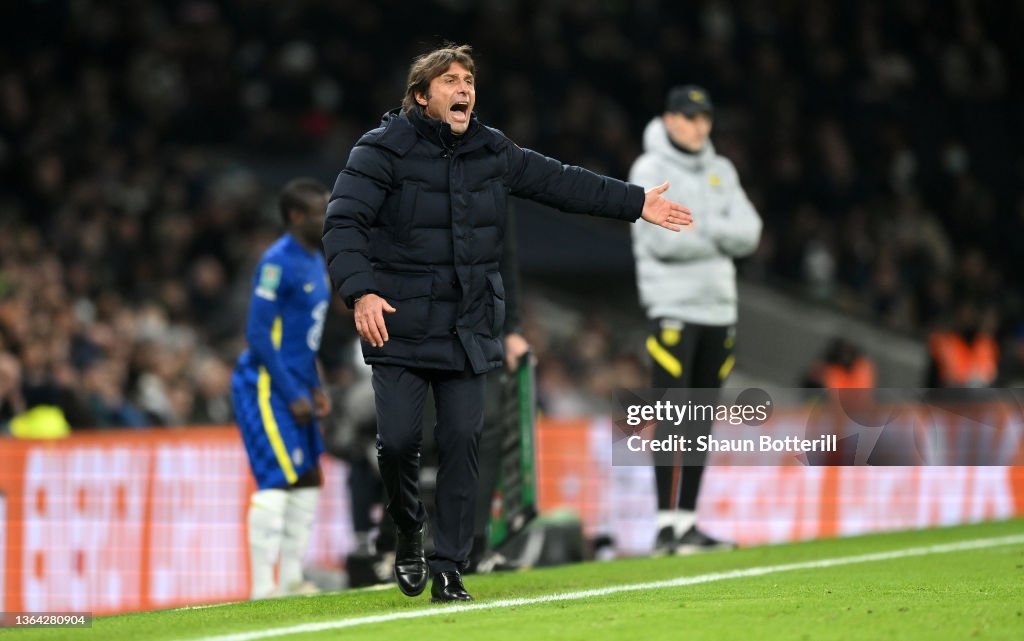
(451, 97)
(309, 223)
(690, 133)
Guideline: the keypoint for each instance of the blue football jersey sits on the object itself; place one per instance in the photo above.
(290, 295)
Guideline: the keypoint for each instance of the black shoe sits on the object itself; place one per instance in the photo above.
(447, 587)
(665, 542)
(410, 564)
(603, 548)
(694, 541)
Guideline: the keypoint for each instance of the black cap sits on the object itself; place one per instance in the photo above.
(689, 100)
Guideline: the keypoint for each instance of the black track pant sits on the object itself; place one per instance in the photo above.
(459, 398)
(686, 355)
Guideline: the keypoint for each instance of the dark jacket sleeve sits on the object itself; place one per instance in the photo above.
(569, 188)
(358, 195)
(509, 268)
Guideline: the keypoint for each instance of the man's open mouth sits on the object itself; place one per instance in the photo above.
(461, 108)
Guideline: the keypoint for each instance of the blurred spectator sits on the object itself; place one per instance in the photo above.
(212, 403)
(880, 142)
(844, 365)
(103, 385)
(965, 353)
(12, 402)
(1011, 364)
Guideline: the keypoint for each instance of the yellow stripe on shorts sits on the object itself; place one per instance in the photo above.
(663, 357)
(726, 368)
(267, 412)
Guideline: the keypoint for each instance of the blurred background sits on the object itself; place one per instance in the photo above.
(142, 145)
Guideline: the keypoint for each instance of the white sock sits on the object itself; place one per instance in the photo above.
(266, 528)
(679, 520)
(298, 525)
(685, 519)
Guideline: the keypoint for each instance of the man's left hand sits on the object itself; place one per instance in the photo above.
(661, 211)
(321, 403)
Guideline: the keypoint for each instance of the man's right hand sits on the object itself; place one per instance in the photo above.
(302, 410)
(369, 318)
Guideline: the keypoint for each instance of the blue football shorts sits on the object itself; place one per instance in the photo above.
(279, 450)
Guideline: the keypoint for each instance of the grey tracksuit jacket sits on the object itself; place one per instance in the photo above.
(690, 275)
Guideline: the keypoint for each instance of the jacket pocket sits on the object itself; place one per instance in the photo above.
(406, 211)
(409, 293)
(496, 310)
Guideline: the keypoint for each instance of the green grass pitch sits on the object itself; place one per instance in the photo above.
(959, 594)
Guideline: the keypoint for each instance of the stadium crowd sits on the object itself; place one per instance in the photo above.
(878, 140)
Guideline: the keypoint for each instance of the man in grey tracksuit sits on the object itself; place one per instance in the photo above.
(687, 283)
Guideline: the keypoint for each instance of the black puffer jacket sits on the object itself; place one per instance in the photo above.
(418, 216)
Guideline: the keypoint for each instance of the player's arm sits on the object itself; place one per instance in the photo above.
(321, 401)
(264, 311)
(737, 231)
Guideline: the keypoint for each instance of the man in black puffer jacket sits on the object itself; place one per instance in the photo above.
(414, 232)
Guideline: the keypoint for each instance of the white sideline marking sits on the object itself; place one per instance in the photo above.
(205, 606)
(654, 585)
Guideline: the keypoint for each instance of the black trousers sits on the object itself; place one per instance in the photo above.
(491, 439)
(400, 393)
(686, 355)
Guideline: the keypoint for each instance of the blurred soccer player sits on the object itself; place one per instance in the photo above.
(276, 391)
(687, 283)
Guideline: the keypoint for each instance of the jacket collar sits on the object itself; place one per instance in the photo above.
(440, 132)
(401, 131)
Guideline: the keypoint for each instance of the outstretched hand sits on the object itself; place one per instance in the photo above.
(661, 211)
